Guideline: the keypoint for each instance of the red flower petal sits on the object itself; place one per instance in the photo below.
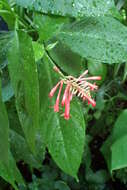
(56, 106)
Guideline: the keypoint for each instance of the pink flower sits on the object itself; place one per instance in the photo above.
(79, 87)
(56, 106)
(90, 100)
(91, 78)
(67, 103)
(65, 95)
(51, 94)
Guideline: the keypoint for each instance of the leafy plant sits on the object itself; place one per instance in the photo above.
(51, 45)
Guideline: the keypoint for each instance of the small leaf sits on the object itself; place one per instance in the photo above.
(24, 78)
(64, 139)
(103, 39)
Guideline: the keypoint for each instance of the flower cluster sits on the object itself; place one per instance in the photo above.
(80, 87)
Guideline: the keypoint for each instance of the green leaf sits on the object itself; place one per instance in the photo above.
(120, 128)
(71, 8)
(38, 50)
(24, 78)
(4, 133)
(119, 153)
(8, 169)
(115, 143)
(102, 38)
(48, 26)
(64, 139)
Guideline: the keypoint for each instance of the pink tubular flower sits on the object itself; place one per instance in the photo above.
(51, 94)
(67, 105)
(56, 106)
(65, 96)
(90, 100)
(91, 78)
(81, 87)
(92, 86)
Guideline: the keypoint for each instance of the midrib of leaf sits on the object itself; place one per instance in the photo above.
(55, 115)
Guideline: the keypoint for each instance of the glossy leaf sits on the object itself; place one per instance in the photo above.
(120, 128)
(24, 78)
(113, 149)
(64, 139)
(119, 153)
(71, 8)
(8, 168)
(103, 39)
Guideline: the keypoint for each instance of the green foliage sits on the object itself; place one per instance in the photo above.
(65, 140)
(114, 149)
(72, 35)
(100, 38)
(71, 8)
(24, 79)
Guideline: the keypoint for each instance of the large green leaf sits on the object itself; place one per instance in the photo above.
(114, 148)
(71, 8)
(8, 169)
(4, 133)
(64, 139)
(24, 78)
(103, 39)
